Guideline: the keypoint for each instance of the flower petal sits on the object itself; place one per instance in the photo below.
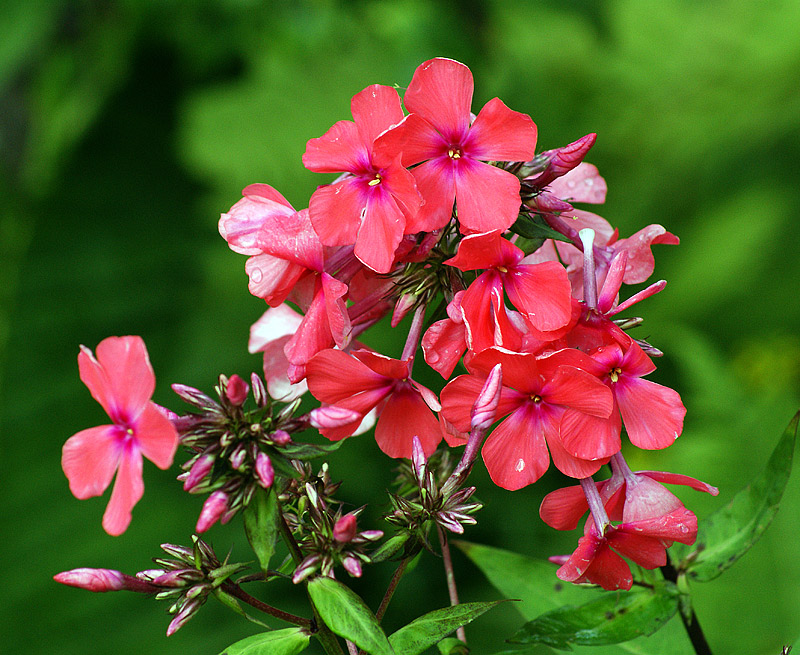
(441, 92)
(380, 233)
(128, 489)
(339, 149)
(375, 109)
(89, 459)
(404, 417)
(436, 185)
(156, 436)
(563, 509)
(542, 292)
(652, 414)
(487, 197)
(335, 211)
(501, 134)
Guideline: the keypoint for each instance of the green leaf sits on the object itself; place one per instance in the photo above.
(390, 547)
(534, 582)
(348, 616)
(261, 523)
(728, 533)
(430, 628)
(306, 451)
(611, 619)
(452, 646)
(231, 602)
(277, 642)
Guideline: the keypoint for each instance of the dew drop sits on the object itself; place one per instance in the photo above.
(589, 182)
(571, 184)
(520, 465)
(256, 275)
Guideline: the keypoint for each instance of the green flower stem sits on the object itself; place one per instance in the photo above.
(451, 578)
(387, 597)
(236, 591)
(688, 616)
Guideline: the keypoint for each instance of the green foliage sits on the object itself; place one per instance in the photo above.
(731, 531)
(610, 619)
(432, 627)
(348, 616)
(261, 518)
(277, 642)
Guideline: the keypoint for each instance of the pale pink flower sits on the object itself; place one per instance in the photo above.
(121, 379)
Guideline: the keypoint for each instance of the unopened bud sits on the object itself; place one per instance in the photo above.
(484, 411)
(305, 569)
(259, 392)
(186, 612)
(200, 469)
(236, 390)
(563, 160)
(404, 304)
(195, 397)
(238, 457)
(418, 457)
(352, 566)
(97, 580)
(345, 529)
(214, 507)
(264, 471)
(332, 416)
(280, 437)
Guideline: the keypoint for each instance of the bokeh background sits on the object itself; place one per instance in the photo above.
(127, 126)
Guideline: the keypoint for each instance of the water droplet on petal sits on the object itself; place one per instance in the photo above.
(520, 465)
(571, 184)
(589, 182)
(256, 275)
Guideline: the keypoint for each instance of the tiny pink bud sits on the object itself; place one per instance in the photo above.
(404, 304)
(558, 559)
(563, 160)
(345, 529)
(484, 411)
(264, 471)
(236, 390)
(98, 580)
(238, 457)
(331, 416)
(214, 507)
(418, 457)
(280, 437)
(186, 613)
(305, 569)
(200, 469)
(352, 566)
(548, 202)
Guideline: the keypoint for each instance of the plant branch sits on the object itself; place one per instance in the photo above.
(387, 597)
(688, 616)
(451, 578)
(235, 590)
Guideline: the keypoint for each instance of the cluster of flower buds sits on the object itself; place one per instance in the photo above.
(186, 580)
(324, 535)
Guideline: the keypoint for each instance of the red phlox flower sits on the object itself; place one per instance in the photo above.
(536, 395)
(438, 132)
(364, 380)
(445, 341)
(270, 334)
(121, 379)
(653, 414)
(541, 292)
(372, 205)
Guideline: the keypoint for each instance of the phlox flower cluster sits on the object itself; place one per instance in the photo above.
(454, 220)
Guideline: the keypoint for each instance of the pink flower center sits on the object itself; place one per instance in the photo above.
(376, 180)
(614, 374)
(536, 398)
(454, 152)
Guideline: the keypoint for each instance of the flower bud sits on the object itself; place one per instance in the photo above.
(236, 390)
(280, 437)
(404, 304)
(484, 411)
(214, 507)
(259, 392)
(186, 612)
(200, 469)
(238, 457)
(97, 580)
(265, 474)
(345, 529)
(305, 569)
(563, 160)
(352, 566)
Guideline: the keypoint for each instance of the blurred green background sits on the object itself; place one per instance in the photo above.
(126, 127)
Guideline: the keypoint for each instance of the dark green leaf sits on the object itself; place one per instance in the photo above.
(348, 616)
(610, 619)
(731, 531)
(534, 582)
(231, 602)
(452, 646)
(306, 451)
(261, 523)
(535, 228)
(430, 628)
(277, 642)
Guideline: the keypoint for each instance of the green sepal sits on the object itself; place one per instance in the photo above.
(289, 641)
(610, 619)
(389, 548)
(727, 534)
(306, 451)
(432, 627)
(261, 523)
(348, 616)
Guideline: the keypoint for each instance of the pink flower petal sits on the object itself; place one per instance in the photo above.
(641, 262)
(156, 437)
(542, 292)
(574, 467)
(501, 134)
(292, 238)
(647, 552)
(375, 109)
(89, 459)
(582, 184)
(441, 92)
(515, 453)
(240, 226)
(485, 250)
(335, 211)
(652, 414)
(563, 509)
(334, 376)
(339, 149)
(380, 233)
(334, 292)
(677, 478)
(414, 137)
(588, 437)
(128, 489)
(404, 417)
(436, 184)
(120, 378)
(271, 278)
(443, 344)
(579, 390)
(487, 198)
